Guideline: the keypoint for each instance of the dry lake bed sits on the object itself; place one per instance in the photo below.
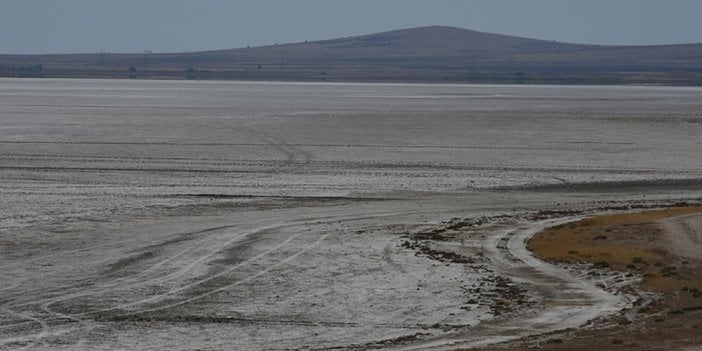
(154, 215)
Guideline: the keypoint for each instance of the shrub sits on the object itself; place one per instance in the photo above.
(601, 265)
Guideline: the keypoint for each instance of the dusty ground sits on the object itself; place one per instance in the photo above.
(266, 216)
(657, 249)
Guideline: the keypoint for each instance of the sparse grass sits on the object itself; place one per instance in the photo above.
(624, 322)
(601, 264)
(634, 244)
(630, 245)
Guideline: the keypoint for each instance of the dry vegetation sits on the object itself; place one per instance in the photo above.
(633, 243)
(625, 242)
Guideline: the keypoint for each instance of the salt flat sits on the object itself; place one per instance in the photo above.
(266, 216)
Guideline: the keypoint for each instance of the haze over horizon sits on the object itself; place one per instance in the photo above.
(84, 26)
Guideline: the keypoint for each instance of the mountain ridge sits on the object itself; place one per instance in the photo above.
(432, 53)
(446, 31)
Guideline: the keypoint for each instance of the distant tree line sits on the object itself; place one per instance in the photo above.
(22, 71)
(26, 68)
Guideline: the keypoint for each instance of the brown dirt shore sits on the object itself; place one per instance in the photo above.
(668, 316)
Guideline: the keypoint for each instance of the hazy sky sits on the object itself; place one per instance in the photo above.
(59, 26)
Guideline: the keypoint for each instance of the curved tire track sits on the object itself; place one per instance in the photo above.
(569, 301)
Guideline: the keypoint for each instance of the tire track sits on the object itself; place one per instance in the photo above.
(239, 282)
(259, 256)
(293, 154)
(13, 285)
(154, 298)
(683, 234)
(122, 284)
(569, 301)
(37, 338)
(298, 157)
(322, 145)
(47, 303)
(127, 282)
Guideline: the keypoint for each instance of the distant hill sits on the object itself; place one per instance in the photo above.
(419, 54)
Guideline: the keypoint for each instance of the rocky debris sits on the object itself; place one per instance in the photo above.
(550, 214)
(499, 293)
(423, 249)
(402, 340)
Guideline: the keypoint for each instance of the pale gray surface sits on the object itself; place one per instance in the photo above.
(309, 190)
